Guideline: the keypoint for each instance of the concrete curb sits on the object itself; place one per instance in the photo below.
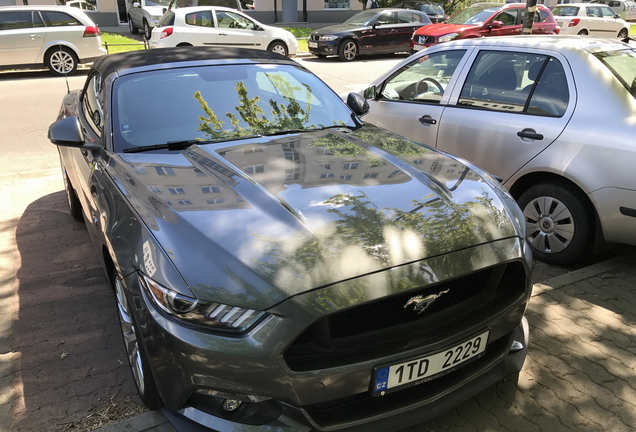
(143, 422)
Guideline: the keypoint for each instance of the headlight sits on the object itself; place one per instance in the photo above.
(328, 38)
(212, 316)
(448, 37)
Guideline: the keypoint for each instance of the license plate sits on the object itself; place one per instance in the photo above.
(418, 47)
(424, 369)
(312, 44)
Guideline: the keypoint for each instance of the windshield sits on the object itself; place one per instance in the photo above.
(623, 66)
(431, 9)
(362, 18)
(565, 11)
(219, 103)
(476, 14)
(158, 3)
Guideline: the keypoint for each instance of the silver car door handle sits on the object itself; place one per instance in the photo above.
(427, 119)
(529, 133)
(222, 34)
(35, 36)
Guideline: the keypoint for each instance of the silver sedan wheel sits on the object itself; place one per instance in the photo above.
(279, 49)
(130, 337)
(549, 224)
(62, 62)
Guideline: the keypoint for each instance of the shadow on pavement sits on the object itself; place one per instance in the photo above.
(71, 355)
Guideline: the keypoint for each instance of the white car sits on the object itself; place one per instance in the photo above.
(57, 37)
(592, 19)
(144, 14)
(80, 4)
(219, 26)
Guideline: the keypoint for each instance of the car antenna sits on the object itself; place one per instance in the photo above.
(68, 89)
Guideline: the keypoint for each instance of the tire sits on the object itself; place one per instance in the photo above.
(623, 33)
(61, 61)
(278, 48)
(582, 33)
(74, 204)
(559, 222)
(348, 50)
(132, 27)
(147, 30)
(184, 44)
(142, 375)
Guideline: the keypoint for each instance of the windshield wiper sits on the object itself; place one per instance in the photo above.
(291, 131)
(181, 145)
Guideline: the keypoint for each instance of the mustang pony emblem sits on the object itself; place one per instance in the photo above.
(422, 303)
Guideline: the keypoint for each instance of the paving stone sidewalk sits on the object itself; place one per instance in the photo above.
(61, 353)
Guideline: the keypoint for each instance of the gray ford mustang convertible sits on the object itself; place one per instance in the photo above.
(279, 263)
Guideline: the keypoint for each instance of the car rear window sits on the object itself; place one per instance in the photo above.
(623, 66)
(166, 20)
(565, 11)
(59, 19)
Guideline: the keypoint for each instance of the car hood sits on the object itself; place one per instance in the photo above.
(340, 28)
(264, 219)
(155, 10)
(443, 28)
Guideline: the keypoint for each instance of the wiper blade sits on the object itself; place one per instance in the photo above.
(291, 131)
(172, 145)
(181, 145)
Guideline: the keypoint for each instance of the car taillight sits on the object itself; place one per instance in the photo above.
(166, 32)
(574, 22)
(91, 31)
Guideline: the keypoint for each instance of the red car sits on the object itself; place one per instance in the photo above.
(484, 19)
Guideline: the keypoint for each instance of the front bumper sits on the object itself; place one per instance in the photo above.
(323, 48)
(332, 392)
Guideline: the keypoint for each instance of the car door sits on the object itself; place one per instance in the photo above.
(381, 37)
(511, 24)
(198, 28)
(22, 34)
(237, 30)
(509, 107)
(610, 22)
(407, 23)
(411, 101)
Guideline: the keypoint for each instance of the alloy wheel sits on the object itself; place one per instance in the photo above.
(549, 224)
(62, 62)
(130, 336)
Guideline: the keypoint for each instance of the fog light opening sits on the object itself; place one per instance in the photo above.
(230, 405)
(516, 346)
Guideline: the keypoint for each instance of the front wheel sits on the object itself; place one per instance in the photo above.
(61, 61)
(348, 50)
(559, 222)
(623, 33)
(147, 30)
(139, 366)
(74, 205)
(582, 33)
(132, 27)
(278, 48)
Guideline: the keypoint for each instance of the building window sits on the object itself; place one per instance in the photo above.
(155, 189)
(395, 173)
(139, 170)
(326, 175)
(215, 201)
(346, 177)
(254, 169)
(184, 202)
(164, 171)
(371, 176)
(176, 190)
(350, 165)
(340, 4)
(292, 174)
(326, 165)
(210, 189)
(418, 161)
(199, 173)
(322, 151)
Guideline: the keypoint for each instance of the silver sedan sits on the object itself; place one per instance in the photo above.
(552, 117)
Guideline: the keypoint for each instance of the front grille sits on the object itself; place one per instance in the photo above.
(386, 326)
(425, 39)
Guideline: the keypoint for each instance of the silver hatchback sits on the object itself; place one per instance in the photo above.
(553, 117)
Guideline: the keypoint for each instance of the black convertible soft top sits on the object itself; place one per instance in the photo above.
(108, 64)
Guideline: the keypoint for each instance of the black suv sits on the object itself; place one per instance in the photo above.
(435, 11)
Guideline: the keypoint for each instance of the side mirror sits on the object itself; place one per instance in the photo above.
(496, 25)
(358, 104)
(67, 132)
(370, 92)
